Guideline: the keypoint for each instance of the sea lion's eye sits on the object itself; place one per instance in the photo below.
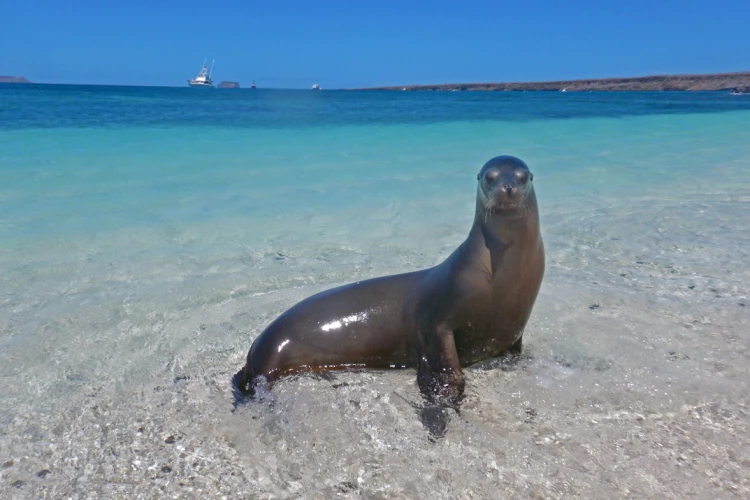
(523, 177)
(491, 176)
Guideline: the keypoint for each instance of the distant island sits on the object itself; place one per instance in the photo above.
(739, 82)
(229, 85)
(13, 79)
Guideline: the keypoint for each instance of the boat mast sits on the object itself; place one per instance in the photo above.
(212, 68)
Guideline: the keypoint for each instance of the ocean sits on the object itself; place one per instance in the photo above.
(148, 235)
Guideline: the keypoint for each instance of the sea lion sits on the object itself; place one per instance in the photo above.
(471, 307)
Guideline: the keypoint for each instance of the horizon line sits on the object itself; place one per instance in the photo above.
(392, 86)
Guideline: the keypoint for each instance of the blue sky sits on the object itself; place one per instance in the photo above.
(355, 43)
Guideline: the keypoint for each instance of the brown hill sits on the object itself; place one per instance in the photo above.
(722, 81)
(13, 79)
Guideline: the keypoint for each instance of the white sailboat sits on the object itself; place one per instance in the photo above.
(204, 77)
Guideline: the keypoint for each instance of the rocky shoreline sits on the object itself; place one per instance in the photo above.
(739, 82)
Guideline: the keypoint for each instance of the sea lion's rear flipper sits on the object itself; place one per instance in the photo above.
(243, 385)
(239, 389)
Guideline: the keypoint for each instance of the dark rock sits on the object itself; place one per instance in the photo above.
(170, 440)
(674, 355)
(166, 469)
(43, 473)
(347, 486)
(229, 85)
(531, 414)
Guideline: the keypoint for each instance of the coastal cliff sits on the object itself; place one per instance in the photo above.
(723, 81)
(13, 79)
(229, 85)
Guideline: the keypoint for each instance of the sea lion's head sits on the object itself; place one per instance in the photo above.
(505, 186)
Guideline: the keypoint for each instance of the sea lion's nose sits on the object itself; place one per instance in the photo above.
(509, 189)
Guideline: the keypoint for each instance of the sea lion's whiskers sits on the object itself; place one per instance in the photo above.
(489, 204)
(490, 201)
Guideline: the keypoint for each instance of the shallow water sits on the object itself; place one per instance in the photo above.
(142, 254)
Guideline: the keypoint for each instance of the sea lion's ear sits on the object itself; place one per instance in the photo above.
(479, 175)
(531, 177)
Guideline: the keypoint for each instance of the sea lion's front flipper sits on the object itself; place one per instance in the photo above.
(440, 380)
(440, 377)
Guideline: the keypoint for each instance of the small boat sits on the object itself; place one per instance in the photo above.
(204, 77)
(316, 87)
(253, 85)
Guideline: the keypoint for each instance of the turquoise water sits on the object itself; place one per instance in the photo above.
(149, 234)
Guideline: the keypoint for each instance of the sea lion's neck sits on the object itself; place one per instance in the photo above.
(494, 237)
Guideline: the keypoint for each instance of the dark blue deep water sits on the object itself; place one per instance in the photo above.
(46, 106)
